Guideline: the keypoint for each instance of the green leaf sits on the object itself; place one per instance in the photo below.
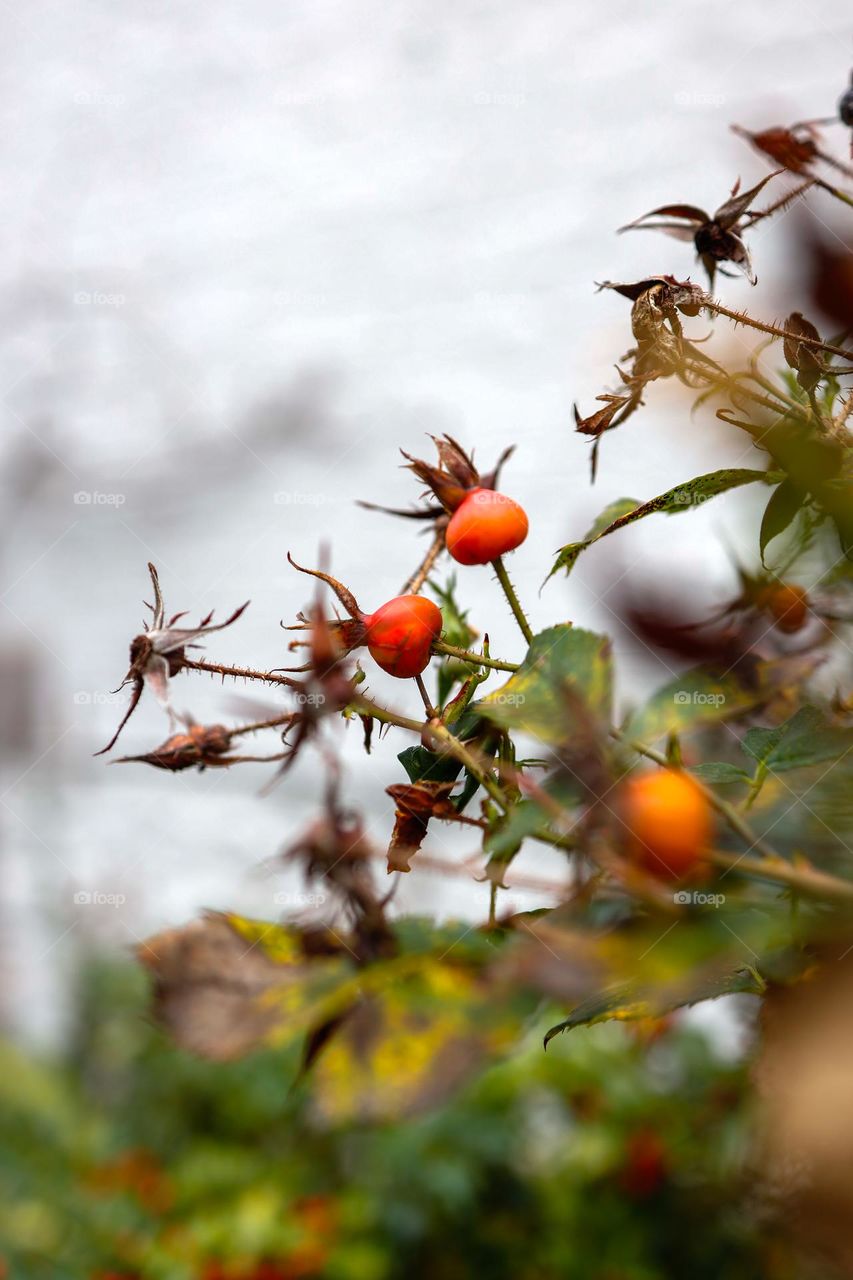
(623, 1004)
(719, 771)
(420, 1028)
(682, 498)
(694, 698)
(425, 766)
(569, 554)
(806, 739)
(779, 513)
(561, 663)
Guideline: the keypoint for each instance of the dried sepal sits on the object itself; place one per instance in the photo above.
(716, 236)
(415, 803)
(794, 151)
(808, 364)
(158, 653)
(199, 747)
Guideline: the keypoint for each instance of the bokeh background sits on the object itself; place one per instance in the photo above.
(249, 252)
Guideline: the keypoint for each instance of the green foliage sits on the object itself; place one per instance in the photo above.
(133, 1158)
(566, 671)
(806, 739)
(683, 497)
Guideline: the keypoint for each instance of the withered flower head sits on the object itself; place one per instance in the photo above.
(808, 364)
(455, 476)
(660, 350)
(794, 150)
(716, 236)
(415, 803)
(335, 850)
(200, 747)
(159, 653)
(449, 482)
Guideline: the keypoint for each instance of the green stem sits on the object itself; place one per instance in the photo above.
(807, 880)
(446, 742)
(755, 786)
(475, 659)
(514, 603)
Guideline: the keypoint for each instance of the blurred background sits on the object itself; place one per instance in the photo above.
(248, 254)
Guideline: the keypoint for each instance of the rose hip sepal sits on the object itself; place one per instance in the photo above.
(479, 523)
(399, 636)
(158, 654)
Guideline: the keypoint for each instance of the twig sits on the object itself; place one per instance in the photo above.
(741, 317)
(414, 585)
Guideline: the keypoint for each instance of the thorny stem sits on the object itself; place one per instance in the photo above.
(778, 205)
(514, 603)
(272, 723)
(807, 880)
(476, 659)
(740, 317)
(239, 673)
(414, 585)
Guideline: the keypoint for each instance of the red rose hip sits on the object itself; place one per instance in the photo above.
(400, 634)
(484, 526)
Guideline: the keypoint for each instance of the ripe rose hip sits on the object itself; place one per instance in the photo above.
(484, 526)
(787, 604)
(400, 634)
(669, 819)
